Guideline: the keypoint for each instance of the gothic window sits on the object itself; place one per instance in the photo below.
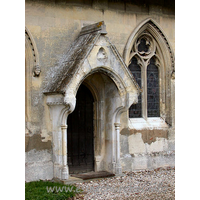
(145, 66)
(150, 47)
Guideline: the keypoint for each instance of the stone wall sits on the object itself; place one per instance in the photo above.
(54, 25)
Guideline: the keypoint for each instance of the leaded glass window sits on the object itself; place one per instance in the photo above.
(153, 100)
(145, 64)
(136, 109)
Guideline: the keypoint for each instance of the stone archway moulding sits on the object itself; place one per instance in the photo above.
(153, 27)
(36, 68)
(32, 70)
(95, 55)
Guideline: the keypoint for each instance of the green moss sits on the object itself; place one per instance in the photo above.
(49, 191)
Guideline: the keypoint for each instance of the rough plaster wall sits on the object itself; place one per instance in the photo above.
(38, 158)
(39, 165)
(142, 149)
(135, 154)
(147, 148)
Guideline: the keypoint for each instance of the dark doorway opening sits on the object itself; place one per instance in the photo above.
(80, 138)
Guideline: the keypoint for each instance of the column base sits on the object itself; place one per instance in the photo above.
(118, 169)
(113, 167)
(65, 173)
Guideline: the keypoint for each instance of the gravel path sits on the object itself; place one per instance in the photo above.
(145, 184)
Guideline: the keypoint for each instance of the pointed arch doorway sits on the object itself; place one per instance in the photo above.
(113, 89)
(80, 138)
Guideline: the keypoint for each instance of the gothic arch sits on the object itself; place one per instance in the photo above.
(126, 92)
(165, 55)
(154, 29)
(32, 71)
(31, 53)
(113, 76)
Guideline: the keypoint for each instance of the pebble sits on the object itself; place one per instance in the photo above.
(144, 184)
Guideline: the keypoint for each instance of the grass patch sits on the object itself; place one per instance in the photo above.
(45, 190)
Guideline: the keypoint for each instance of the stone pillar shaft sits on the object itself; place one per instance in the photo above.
(118, 164)
(65, 170)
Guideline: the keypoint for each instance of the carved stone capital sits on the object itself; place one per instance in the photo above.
(64, 127)
(117, 126)
(57, 99)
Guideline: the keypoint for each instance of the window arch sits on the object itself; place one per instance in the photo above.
(150, 47)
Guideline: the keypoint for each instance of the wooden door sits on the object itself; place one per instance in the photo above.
(80, 139)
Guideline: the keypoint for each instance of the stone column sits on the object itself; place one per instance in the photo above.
(118, 164)
(65, 170)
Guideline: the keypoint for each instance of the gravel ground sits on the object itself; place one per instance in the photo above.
(144, 184)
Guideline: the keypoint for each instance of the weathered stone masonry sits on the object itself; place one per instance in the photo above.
(84, 42)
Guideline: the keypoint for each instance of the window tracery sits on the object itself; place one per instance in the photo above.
(152, 42)
(145, 66)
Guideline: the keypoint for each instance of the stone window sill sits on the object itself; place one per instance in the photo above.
(151, 123)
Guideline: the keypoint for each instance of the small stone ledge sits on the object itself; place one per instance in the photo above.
(151, 123)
